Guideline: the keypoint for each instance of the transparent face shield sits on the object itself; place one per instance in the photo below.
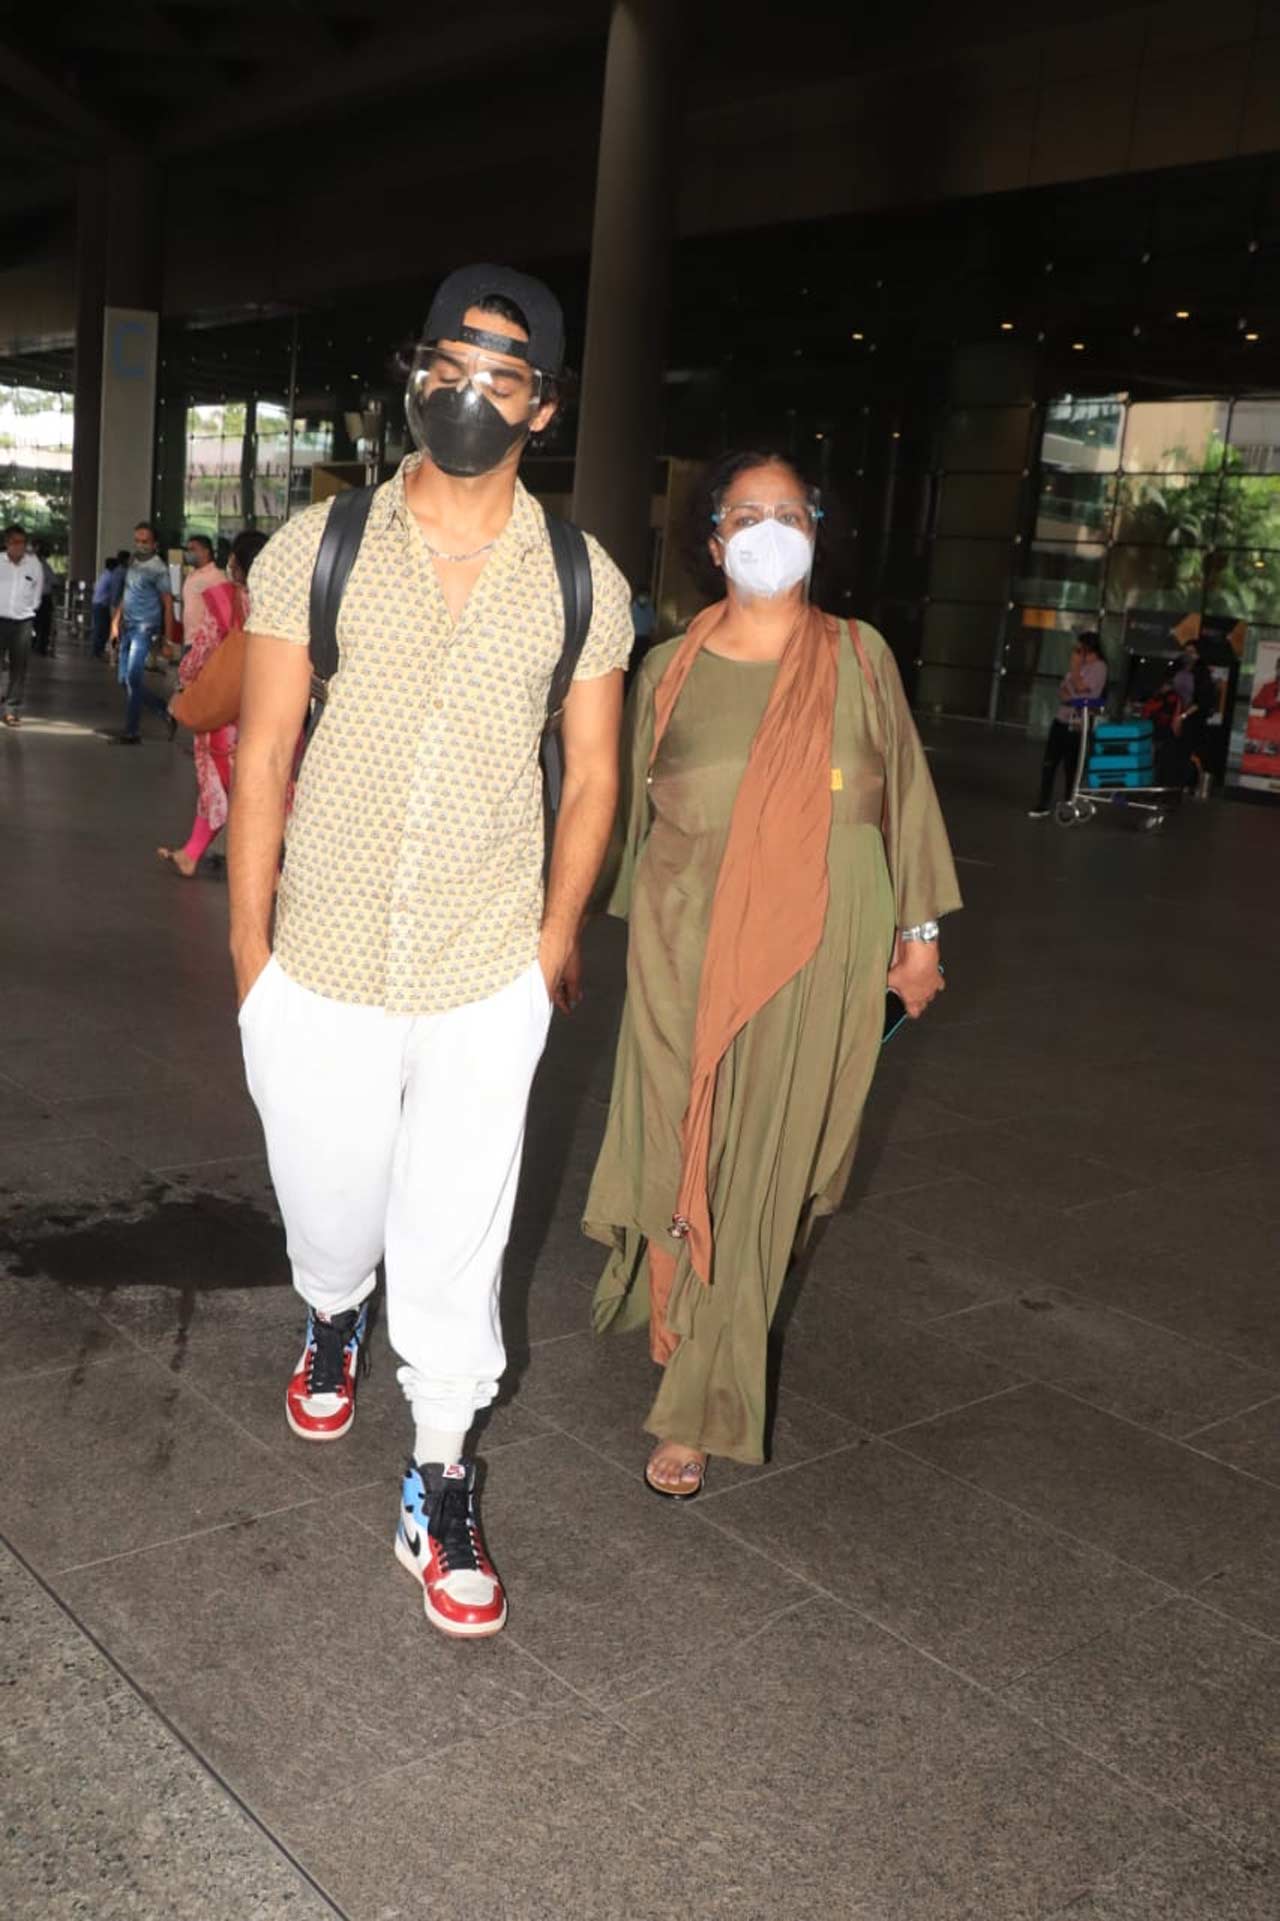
(467, 407)
(802, 515)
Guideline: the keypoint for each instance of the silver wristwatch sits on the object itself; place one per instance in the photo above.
(923, 930)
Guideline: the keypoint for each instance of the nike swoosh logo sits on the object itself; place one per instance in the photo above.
(412, 1541)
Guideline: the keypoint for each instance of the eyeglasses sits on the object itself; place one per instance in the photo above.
(449, 368)
(803, 515)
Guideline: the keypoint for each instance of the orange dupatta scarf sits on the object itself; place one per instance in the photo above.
(770, 902)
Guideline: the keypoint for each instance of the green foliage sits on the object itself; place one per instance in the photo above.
(1211, 532)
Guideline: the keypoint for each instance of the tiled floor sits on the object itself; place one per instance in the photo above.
(994, 1634)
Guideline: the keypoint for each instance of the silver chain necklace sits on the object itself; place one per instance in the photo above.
(475, 553)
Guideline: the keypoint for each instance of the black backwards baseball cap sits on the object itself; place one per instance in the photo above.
(471, 286)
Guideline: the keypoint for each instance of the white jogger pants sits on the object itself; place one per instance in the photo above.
(401, 1135)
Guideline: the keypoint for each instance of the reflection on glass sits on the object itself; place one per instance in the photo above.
(978, 504)
(979, 438)
(1167, 510)
(1038, 641)
(1063, 574)
(1248, 512)
(1175, 436)
(1243, 585)
(1074, 506)
(1083, 436)
(1254, 434)
(1157, 577)
(35, 462)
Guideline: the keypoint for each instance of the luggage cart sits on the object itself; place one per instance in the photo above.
(1110, 782)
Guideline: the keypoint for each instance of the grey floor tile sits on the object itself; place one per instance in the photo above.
(1147, 1500)
(893, 1269)
(104, 1460)
(106, 1814)
(991, 1222)
(26, 1117)
(1183, 1702)
(355, 1674)
(1247, 1585)
(1184, 1879)
(63, 1068)
(545, 1820)
(1056, 1173)
(40, 1177)
(588, 1555)
(948, 1568)
(1250, 1440)
(874, 1369)
(886, 1167)
(173, 1127)
(863, 1779)
(1232, 1304)
(599, 1388)
(1111, 1359)
(47, 1326)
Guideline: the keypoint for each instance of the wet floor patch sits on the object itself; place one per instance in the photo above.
(188, 1244)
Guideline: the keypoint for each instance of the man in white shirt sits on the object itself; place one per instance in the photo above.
(21, 590)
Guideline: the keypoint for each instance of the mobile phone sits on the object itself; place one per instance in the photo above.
(894, 1015)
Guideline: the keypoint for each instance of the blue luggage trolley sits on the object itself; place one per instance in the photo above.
(1116, 768)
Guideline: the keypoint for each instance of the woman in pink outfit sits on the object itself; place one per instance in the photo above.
(225, 608)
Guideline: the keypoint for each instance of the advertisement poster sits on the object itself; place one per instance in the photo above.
(1260, 763)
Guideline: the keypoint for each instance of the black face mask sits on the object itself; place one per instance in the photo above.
(462, 431)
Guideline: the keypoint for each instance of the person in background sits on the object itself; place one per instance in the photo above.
(782, 863)
(203, 572)
(224, 608)
(1198, 693)
(21, 585)
(105, 596)
(144, 614)
(1085, 679)
(42, 638)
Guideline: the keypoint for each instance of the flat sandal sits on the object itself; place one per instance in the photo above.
(688, 1492)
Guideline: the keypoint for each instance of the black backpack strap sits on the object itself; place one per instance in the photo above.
(573, 569)
(339, 545)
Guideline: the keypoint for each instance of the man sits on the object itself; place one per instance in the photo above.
(204, 572)
(391, 1039)
(21, 588)
(1085, 679)
(144, 613)
(105, 596)
(42, 637)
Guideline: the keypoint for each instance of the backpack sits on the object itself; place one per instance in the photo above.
(339, 545)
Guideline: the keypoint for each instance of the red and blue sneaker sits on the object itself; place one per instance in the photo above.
(320, 1400)
(440, 1542)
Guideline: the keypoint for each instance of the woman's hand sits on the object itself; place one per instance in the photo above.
(915, 974)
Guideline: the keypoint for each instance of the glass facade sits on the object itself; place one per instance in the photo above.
(35, 461)
(1148, 516)
(244, 470)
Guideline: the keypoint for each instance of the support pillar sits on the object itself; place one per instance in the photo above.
(118, 280)
(630, 280)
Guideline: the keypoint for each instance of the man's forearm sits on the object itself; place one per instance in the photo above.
(583, 826)
(255, 834)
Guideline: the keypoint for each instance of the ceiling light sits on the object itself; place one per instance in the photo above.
(1077, 346)
(1251, 336)
(1182, 314)
(855, 336)
(1006, 326)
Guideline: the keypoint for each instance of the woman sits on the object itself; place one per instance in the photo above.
(783, 859)
(225, 608)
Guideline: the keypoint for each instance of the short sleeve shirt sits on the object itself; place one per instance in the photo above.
(145, 584)
(413, 867)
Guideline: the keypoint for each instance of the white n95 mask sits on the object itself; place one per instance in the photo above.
(766, 559)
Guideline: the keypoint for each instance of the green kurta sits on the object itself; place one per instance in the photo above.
(791, 1088)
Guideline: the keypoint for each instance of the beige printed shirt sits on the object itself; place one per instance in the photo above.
(413, 869)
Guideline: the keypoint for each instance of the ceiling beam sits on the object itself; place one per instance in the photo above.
(21, 76)
(388, 64)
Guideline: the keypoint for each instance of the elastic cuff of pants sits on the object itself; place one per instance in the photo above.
(323, 1301)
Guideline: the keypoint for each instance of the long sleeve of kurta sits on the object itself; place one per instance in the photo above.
(916, 845)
